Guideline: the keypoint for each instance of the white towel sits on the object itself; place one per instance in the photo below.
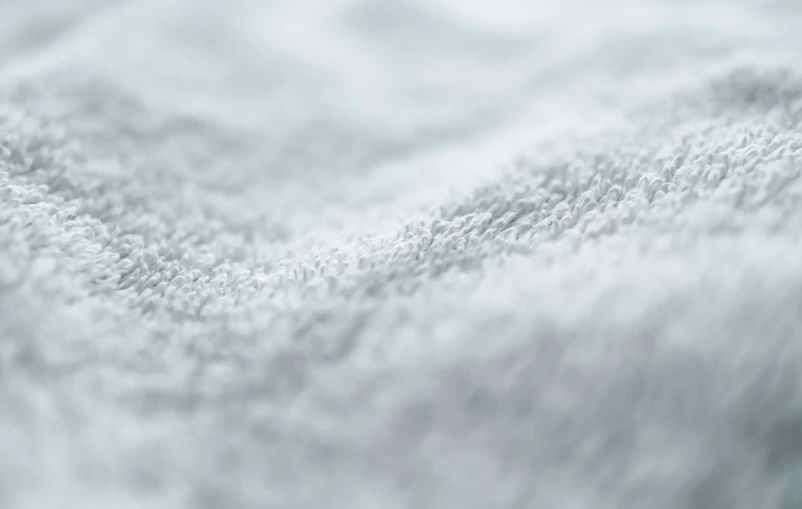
(400, 254)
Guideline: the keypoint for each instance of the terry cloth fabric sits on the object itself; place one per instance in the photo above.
(400, 254)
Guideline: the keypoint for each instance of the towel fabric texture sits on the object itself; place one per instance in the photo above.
(401, 254)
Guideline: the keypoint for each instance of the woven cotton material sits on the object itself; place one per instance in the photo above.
(400, 254)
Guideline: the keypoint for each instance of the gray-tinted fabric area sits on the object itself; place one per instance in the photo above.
(400, 254)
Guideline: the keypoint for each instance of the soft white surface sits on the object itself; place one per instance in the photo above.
(400, 254)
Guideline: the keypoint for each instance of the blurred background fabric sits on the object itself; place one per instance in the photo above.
(401, 254)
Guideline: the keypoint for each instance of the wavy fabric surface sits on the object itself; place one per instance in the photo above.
(401, 254)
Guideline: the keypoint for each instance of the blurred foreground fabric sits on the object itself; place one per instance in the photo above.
(400, 254)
